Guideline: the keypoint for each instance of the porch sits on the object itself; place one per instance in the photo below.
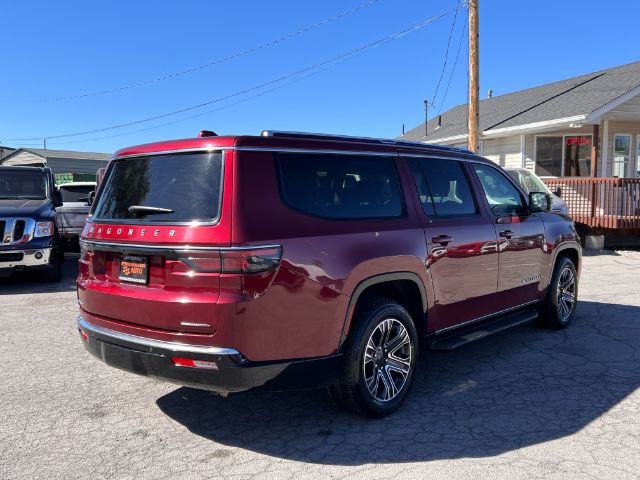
(601, 203)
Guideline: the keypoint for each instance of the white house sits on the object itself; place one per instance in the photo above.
(580, 127)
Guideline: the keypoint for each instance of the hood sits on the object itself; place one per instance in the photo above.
(26, 208)
(558, 205)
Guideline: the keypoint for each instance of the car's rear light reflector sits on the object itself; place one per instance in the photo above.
(235, 260)
(189, 362)
(84, 335)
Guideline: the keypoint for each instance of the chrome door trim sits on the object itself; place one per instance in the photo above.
(155, 249)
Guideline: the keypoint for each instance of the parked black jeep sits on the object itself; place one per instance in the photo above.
(29, 238)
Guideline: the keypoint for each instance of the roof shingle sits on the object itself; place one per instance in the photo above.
(566, 98)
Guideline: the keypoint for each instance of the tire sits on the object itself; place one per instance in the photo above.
(54, 274)
(377, 375)
(559, 306)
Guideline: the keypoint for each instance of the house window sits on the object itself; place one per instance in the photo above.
(577, 156)
(621, 155)
(549, 156)
(563, 156)
(638, 156)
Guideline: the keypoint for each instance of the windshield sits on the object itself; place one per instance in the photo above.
(166, 188)
(76, 193)
(529, 181)
(21, 184)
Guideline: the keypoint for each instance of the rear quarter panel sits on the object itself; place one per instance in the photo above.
(560, 233)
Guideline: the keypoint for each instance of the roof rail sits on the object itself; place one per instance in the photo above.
(328, 136)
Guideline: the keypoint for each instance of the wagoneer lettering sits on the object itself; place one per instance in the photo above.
(295, 260)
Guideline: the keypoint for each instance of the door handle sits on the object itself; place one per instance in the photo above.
(506, 234)
(442, 239)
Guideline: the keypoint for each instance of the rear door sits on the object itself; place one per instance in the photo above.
(461, 242)
(521, 237)
(151, 249)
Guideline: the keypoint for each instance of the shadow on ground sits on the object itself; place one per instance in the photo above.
(31, 282)
(523, 387)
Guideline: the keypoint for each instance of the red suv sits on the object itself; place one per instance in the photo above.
(304, 260)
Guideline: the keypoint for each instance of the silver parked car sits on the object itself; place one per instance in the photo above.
(74, 210)
(530, 182)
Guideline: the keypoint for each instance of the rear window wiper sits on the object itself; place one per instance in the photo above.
(145, 210)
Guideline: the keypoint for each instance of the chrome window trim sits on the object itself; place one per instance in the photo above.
(169, 152)
(455, 155)
(87, 327)
(444, 157)
(391, 153)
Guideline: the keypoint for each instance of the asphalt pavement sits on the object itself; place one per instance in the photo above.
(525, 404)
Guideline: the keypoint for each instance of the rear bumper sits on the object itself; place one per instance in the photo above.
(233, 372)
(11, 260)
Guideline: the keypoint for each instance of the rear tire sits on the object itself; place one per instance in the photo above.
(381, 355)
(559, 307)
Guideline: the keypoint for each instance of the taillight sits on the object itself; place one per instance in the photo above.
(95, 261)
(84, 251)
(235, 260)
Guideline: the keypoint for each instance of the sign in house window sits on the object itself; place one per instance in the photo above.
(577, 156)
(568, 156)
(621, 155)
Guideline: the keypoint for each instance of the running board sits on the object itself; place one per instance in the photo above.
(457, 338)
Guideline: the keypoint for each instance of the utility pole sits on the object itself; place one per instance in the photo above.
(426, 116)
(44, 143)
(474, 76)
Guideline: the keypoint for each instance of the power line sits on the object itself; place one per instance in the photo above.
(388, 38)
(444, 97)
(190, 117)
(213, 62)
(446, 55)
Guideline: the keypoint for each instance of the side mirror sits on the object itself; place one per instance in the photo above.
(57, 198)
(557, 192)
(91, 197)
(539, 202)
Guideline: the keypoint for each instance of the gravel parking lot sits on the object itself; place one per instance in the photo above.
(528, 403)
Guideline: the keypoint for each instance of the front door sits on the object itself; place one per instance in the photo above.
(461, 243)
(521, 239)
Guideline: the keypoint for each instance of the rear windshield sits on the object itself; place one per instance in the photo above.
(164, 188)
(76, 193)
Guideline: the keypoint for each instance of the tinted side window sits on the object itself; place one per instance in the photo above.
(502, 196)
(340, 186)
(443, 187)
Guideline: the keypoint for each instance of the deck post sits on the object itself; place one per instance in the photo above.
(595, 146)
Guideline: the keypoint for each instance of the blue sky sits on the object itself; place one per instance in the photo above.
(65, 49)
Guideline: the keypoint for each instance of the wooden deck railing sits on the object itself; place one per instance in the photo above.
(601, 202)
